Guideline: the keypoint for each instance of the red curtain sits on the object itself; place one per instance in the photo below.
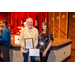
(19, 18)
(14, 18)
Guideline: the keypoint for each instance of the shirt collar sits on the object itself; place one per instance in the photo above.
(4, 27)
(30, 30)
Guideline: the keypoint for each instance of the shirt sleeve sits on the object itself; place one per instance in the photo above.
(51, 37)
(3, 36)
(36, 39)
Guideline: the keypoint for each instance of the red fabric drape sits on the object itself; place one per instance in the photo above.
(39, 16)
(27, 15)
(14, 20)
(23, 17)
(19, 18)
(14, 17)
(43, 18)
(34, 17)
(48, 17)
(0, 16)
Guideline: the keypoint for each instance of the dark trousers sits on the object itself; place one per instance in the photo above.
(44, 59)
(5, 50)
(25, 55)
(0, 48)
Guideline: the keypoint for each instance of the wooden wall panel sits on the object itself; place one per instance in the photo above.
(63, 24)
(72, 28)
(56, 25)
(52, 22)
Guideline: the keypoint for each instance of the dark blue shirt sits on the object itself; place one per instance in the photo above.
(5, 36)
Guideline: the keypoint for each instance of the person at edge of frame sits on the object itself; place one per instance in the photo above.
(5, 40)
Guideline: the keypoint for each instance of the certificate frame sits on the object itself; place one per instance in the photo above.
(26, 43)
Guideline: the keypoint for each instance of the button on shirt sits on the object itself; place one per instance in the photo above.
(5, 37)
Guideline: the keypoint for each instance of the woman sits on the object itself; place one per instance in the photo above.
(45, 41)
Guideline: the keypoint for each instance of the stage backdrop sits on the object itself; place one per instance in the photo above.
(62, 24)
(58, 21)
(15, 18)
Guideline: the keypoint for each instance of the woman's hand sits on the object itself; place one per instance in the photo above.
(49, 45)
(44, 54)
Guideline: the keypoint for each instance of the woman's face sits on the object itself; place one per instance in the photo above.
(44, 27)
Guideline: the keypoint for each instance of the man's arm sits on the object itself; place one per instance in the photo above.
(3, 36)
(36, 39)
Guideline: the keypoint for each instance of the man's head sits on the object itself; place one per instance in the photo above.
(3, 23)
(29, 22)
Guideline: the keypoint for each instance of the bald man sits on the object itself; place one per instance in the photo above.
(28, 32)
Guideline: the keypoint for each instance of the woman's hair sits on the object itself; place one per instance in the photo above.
(47, 29)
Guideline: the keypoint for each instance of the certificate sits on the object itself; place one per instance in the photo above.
(28, 43)
(34, 52)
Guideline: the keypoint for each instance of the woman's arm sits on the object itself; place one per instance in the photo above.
(49, 45)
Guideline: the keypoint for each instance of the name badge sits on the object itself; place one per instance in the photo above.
(42, 43)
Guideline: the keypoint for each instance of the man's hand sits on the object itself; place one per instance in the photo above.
(34, 47)
(24, 48)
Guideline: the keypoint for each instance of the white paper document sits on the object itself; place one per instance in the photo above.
(34, 52)
(17, 39)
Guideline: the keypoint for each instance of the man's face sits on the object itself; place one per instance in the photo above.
(2, 24)
(30, 23)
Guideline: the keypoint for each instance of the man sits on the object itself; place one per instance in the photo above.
(5, 40)
(28, 32)
(0, 43)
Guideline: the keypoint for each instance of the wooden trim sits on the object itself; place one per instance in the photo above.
(73, 49)
(60, 46)
(66, 59)
(67, 25)
(53, 22)
(59, 25)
